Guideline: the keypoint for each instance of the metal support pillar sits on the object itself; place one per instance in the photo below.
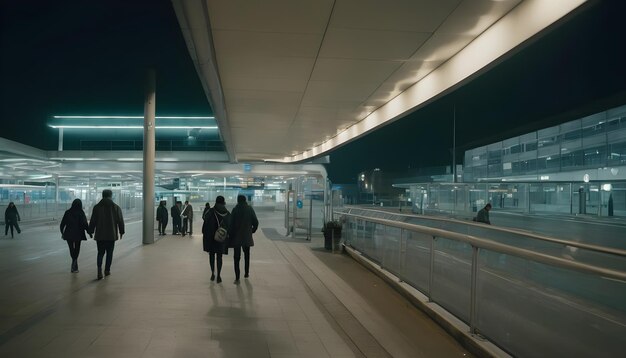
(60, 139)
(148, 158)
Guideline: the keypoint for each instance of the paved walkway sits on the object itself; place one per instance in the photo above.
(159, 302)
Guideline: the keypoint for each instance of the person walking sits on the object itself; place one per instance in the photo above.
(175, 213)
(187, 215)
(483, 215)
(106, 221)
(242, 225)
(216, 217)
(73, 227)
(162, 217)
(11, 217)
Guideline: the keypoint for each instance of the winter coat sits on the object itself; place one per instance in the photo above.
(210, 226)
(161, 214)
(243, 223)
(106, 220)
(483, 216)
(175, 213)
(73, 225)
(188, 211)
(11, 215)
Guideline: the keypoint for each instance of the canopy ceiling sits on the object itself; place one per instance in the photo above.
(291, 80)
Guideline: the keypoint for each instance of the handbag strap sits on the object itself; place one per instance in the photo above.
(219, 223)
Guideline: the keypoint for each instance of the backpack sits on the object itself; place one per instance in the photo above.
(221, 233)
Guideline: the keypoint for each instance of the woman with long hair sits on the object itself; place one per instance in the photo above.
(73, 228)
(215, 218)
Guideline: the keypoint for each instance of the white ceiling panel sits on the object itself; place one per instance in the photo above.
(339, 90)
(472, 17)
(266, 67)
(301, 77)
(395, 15)
(269, 44)
(270, 15)
(234, 82)
(353, 70)
(371, 44)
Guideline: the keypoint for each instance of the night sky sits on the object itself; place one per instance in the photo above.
(88, 57)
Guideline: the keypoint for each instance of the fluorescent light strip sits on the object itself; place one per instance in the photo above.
(130, 127)
(127, 117)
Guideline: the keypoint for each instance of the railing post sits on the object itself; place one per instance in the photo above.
(473, 290)
(431, 274)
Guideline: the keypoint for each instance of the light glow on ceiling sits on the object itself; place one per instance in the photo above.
(127, 117)
(128, 127)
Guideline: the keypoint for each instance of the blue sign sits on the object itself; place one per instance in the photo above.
(299, 204)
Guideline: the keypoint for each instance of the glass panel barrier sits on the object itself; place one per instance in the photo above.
(452, 276)
(416, 268)
(536, 310)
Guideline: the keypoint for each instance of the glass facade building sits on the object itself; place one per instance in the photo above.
(593, 142)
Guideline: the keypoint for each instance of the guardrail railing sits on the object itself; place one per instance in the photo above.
(529, 303)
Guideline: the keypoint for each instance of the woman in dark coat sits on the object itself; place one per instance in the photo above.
(243, 224)
(11, 217)
(73, 227)
(216, 216)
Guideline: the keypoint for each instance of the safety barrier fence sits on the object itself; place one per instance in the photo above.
(530, 302)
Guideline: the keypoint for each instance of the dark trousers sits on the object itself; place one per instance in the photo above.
(190, 225)
(11, 224)
(212, 257)
(184, 229)
(246, 260)
(74, 249)
(105, 247)
(162, 226)
(175, 226)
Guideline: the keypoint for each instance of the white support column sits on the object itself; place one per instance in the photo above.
(148, 158)
(60, 139)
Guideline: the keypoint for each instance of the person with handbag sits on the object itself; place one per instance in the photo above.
(214, 230)
(73, 227)
(242, 225)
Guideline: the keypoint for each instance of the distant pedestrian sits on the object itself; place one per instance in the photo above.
(11, 217)
(207, 206)
(73, 227)
(175, 213)
(483, 215)
(215, 217)
(106, 221)
(162, 217)
(243, 224)
(187, 216)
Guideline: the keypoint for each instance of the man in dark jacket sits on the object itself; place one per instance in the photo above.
(242, 225)
(175, 212)
(483, 215)
(106, 221)
(162, 217)
(187, 217)
(11, 217)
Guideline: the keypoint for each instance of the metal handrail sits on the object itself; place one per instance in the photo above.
(596, 248)
(502, 248)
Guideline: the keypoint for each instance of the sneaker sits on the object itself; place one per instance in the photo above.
(107, 273)
(219, 279)
(100, 275)
(236, 282)
(212, 277)
(246, 275)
